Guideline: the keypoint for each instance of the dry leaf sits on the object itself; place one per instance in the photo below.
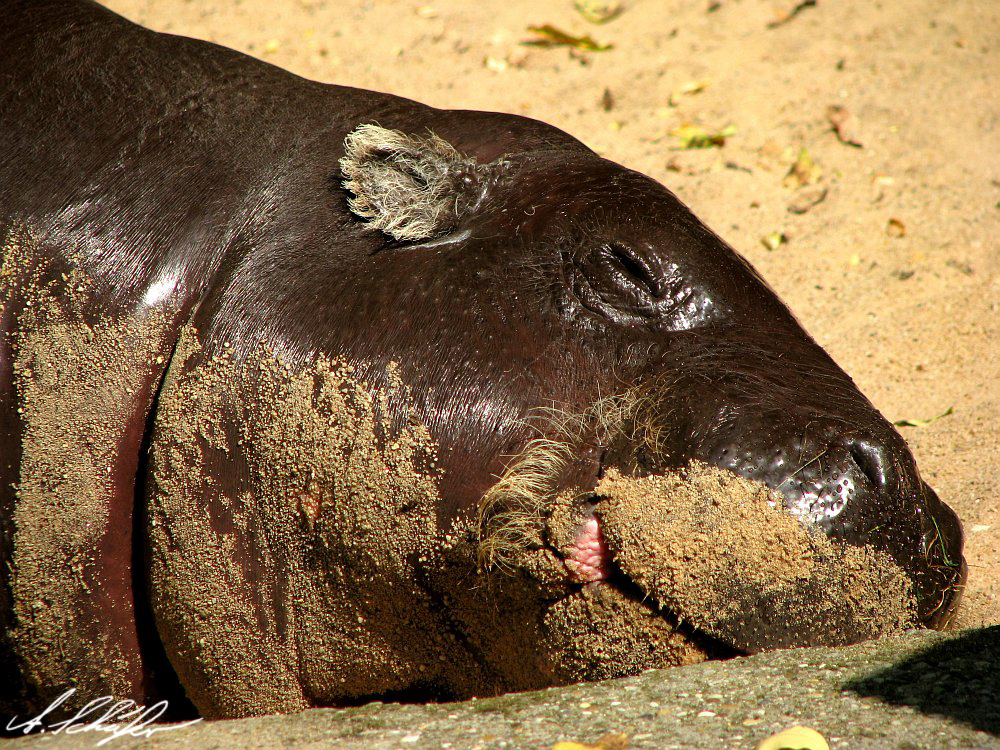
(895, 228)
(796, 738)
(496, 64)
(611, 741)
(607, 100)
(806, 198)
(549, 36)
(924, 422)
(784, 16)
(599, 11)
(686, 89)
(845, 125)
(803, 172)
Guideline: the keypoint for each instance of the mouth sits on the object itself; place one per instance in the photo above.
(718, 557)
(588, 560)
(723, 559)
(945, 567)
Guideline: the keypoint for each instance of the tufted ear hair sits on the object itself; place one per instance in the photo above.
(409, 187)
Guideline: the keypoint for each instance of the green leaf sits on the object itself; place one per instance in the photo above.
(549, 36)
(693, 136)
(803, 172)
(773, 240)
(796, 738)
(923, 422)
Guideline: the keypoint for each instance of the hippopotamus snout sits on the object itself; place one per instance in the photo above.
(805, 430)
(861, 488)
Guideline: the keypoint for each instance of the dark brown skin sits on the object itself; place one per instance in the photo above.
(571, 279)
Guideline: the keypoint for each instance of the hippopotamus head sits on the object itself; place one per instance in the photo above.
(546, 353)
(594, 286)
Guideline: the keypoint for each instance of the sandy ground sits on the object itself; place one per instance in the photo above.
(890, 253)
(871, 696)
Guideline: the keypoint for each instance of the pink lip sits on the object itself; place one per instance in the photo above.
(587, 559)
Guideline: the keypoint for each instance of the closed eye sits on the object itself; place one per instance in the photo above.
(634, 267)
(637, 286)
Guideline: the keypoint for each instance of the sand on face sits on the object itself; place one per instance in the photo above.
(718, 553)
(295, 557)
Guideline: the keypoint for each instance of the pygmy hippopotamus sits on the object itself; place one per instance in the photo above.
(310, 394)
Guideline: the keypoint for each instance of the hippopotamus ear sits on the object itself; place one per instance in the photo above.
(409, 187)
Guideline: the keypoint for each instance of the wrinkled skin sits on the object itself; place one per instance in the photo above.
(189, 181)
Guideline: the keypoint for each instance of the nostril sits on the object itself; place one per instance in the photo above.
(871, 460)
